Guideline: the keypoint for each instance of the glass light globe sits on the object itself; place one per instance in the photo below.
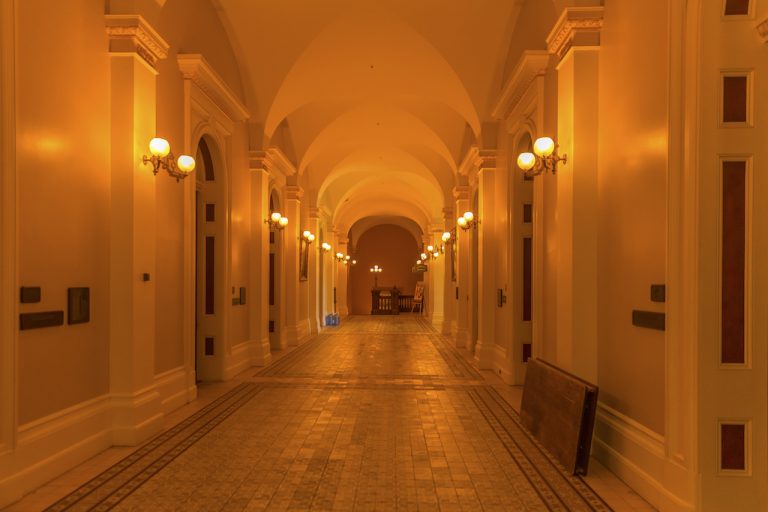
(461, 221)
(275, 217)
(339, 255)
(430, 248)
(354, 262)
(423, 256)
(446, 236)
(526, 161)
(306, 234)
(283, 221)
(544, 146)
(346, 258)
(186, 163)
(159, 147)
(469, 216)
(418, 262)
(311, 237)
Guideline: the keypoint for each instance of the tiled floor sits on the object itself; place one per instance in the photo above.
(379, 414)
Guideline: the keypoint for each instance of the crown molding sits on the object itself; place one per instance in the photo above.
(477, 160)
(272, 161)
(577, 26)
(461, 192)
(467, 163)
(131, 34)
(194, 67)
(293, 192)
(762, 30)
(532, 64)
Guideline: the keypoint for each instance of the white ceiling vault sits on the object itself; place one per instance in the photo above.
(377, 101)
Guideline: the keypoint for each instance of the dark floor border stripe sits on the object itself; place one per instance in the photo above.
(579, 485)
(150, 447)
(549, 497)
(586, 494)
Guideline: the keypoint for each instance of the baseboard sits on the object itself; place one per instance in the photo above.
(239, 359)
(636, 455)
(172, 386)
(135, 416)
(53, 445)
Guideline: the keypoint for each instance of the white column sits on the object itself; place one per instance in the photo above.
(437, 281)
(449, 285)
(342, 273)
(464, 278)
(313, 272)
(296, 328)
(257, 296)
(135, 400)
(486, 288)
(577, 116)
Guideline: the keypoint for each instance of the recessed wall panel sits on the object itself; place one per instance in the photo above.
(733, 262)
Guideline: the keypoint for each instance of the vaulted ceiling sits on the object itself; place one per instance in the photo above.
(377, 101)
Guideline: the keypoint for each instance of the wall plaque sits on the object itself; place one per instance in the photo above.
(39, 320)
(30, 294)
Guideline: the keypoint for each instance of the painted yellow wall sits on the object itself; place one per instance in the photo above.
(63, 170)
(632, 128)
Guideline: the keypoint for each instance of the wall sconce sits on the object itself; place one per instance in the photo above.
(432, 253)
(276, 221)
(447, 238)
(339, 257)
(325, 247)
(543, 158)
(162, 157)
(305, 241)
(467, 221)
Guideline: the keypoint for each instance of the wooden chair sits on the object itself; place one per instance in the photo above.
(418, 298)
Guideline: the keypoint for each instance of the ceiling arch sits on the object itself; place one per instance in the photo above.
(365, 224)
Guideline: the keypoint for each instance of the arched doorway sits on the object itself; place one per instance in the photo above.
(210, 262)
(275, 271)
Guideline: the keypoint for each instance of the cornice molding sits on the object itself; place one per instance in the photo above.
(467, 163)
(131, 34)
(476, 160)
(272, 161)
(293, 193)
(577, 26)
(461, 192)
(762, 30)
(313, 212)
(531, 65)
(194, 67)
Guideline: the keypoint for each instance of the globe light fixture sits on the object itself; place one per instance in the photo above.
(544, 158)
(467, 221)
(162, 157)
(276, 221)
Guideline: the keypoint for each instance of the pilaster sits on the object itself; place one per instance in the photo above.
(313, 272)
(342, 274)
(258, 305)
(464, 276)
(575, 39)
(134, 49)
(449, 284)
(297, 329)
(486, 289)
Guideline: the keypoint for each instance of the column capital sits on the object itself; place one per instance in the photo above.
(577, 26)
(273, 161)
(131, 34)
(313, 213)
(293, 192)
(461, 193)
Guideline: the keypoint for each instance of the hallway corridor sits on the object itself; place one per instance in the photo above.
(378, 414)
